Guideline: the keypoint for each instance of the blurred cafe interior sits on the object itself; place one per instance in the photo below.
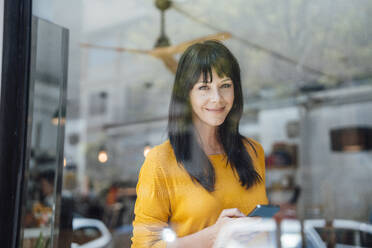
(98, 98)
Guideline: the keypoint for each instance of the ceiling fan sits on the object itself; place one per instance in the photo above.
(163, 49)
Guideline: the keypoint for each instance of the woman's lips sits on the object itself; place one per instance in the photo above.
(216, 109)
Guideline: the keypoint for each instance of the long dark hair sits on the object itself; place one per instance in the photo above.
(199, 59)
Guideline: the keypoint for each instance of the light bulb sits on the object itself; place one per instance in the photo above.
(102, 156)
(55, 121)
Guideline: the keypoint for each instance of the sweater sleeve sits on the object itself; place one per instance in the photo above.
(152, 208)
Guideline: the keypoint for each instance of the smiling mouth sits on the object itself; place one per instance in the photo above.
(216, 110)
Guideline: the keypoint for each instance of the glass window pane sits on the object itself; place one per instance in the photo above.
(46, 119)
(305, 80)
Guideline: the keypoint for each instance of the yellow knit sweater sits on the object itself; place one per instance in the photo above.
(167, 197)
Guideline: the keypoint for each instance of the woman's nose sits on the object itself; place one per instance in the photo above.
(216, 96)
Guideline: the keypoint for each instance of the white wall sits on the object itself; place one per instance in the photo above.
(332, 183)
(336, 182)
(272, 126)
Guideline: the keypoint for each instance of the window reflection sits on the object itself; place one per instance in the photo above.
(46, 119)
(305, 72)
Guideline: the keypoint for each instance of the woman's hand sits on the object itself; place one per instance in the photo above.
(226, 216)
(233, 217)
(208, 236)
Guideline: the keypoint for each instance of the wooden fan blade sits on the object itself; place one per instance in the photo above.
(116, 49)
(180, 48)
(169, 62)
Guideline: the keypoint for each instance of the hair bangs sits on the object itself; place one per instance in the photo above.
(217, 60)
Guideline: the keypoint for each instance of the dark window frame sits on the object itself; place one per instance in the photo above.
(13, 117)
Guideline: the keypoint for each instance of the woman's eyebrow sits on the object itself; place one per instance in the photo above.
(208, 82)
(225, 79)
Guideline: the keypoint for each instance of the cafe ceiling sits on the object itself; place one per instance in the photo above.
(284, 47)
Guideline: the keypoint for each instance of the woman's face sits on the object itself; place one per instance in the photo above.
(212, 101)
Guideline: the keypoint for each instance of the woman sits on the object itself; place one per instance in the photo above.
(206, 174)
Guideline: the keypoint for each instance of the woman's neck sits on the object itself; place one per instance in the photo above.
(207, 137)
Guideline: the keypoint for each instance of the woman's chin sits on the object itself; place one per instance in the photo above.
(215, 123)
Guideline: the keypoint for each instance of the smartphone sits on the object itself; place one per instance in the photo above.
(265, 211)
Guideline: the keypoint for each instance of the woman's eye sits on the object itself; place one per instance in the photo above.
(226, 86)
(203, 87)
